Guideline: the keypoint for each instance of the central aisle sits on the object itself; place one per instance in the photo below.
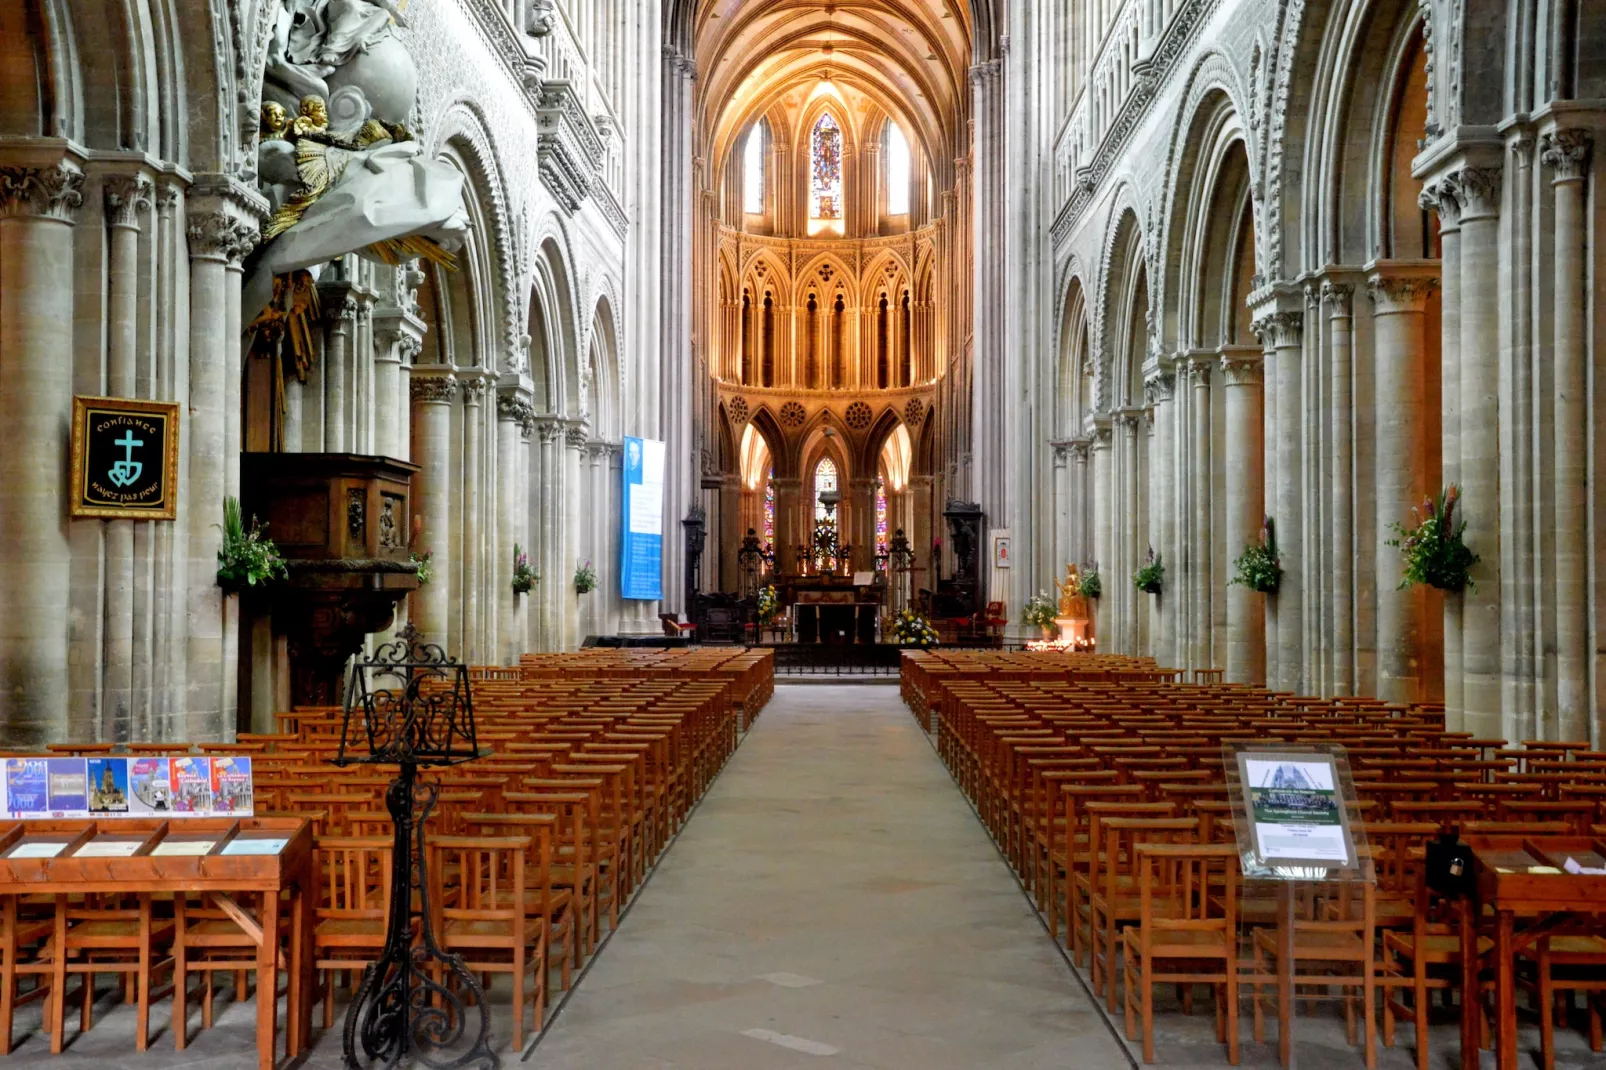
(833, 902)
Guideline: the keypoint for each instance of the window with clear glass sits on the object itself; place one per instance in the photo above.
(897, 171)
(753, 172)
(825, 182)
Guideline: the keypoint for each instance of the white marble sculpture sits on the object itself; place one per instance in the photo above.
(352, 178)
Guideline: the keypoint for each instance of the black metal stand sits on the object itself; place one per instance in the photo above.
(409, 1002)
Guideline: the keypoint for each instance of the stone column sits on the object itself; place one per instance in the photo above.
(524, 531)
(1163, 621)
(1201, 549)
(472, 524)
(511, 411)
(1060, 547)
(39, 201)
(433, 389)
(339, 309)
(1338, 299)
(1478, 190)
(1079, 544)
(1566, 152)
(1399, 294)
(127, 196)
(919, 535)
(398, 339)
(549, 435)
(574, 494)
(1441, 197)
(788, 533)
(219, 235)
(1104, 529)
(861, 533)
(1246, 623)
(1281, 332)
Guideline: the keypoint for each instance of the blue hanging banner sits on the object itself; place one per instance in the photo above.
(641, 571)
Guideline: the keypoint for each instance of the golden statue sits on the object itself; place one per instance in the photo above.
(1072, 605)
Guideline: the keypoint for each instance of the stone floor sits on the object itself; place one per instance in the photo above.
(832, 903)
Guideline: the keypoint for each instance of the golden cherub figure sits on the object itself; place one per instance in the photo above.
(314, 117)
(275, 120)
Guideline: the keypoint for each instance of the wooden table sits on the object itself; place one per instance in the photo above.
(1518, 877)
(222, 877)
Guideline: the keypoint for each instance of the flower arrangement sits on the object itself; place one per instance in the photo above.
(585, 578)
(246, 558)
(1150, 577)
(911, 629)
(524, 577)
(1259, 568)
(769, 605)
(1432, 547)
(426, 565)
(1040, 610)
(1092, 585)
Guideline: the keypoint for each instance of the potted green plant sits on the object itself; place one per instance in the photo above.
(1432, 547)
(426, 565)
(1151, 576)
(1259, 568)
(585, 579)
(524, 577)
(247, 558)
(1040, 611)
(1092, 586)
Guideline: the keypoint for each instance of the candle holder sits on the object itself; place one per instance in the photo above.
(410, 705)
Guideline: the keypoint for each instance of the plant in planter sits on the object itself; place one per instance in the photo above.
(1150, 577)
(585, 579)
(1432, 547)
(524, 577)
(1259, 568)
(246, 558)
(1040, 611)
(1092, 585)
(426, 566)
(911, 629)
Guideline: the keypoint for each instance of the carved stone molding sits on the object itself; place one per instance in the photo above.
(1198, 367)
(1159, 386)
(569, 152)
(575, 437)
(214, 236)
(1100, 435)
(1242, 369)
(1062, 451)
(1338, 297)
(440, 389)
(1392, 293)
(1079, 449)
(1567, 153)
(1441, 196)
(1279, 330)
(473, 389)
(126, 197)
(51, 192)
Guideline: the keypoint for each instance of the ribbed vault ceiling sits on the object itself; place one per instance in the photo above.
(908, 56)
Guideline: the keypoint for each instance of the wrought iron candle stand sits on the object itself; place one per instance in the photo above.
(409, 705)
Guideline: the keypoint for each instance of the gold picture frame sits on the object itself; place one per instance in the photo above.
(110, 481)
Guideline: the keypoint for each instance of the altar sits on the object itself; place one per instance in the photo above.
(834, 617)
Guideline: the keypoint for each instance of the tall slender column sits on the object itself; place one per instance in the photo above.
(511, 411)
(398, 339)
(1104, 529)
(1201, 550)
(574, 443)
(1478, 190)
(523, 527)
(861, 500)
(473, 524)
(1163, 625)
(549, 437)
(339, 312)
(1338, 298)
(1566, 152)
(1079, 539)
(1246, 626)
(1281, 333)
(433, 389)
(39, 200)
(127, 196)
(1060, 551)
(219, 235)
(1399, 294)
(788, 532)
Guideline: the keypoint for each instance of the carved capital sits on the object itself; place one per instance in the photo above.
(53, 192)
(1242, 369)
(575, 436)
(1159, 386)
(513, 409)
(1391, 293)
(1478, 191)
(1338, 297)
(433, 388)
(211, 235)
(1279, 330)
(1079, 448)
(473, 389)
(1567, 153)
(126, 197)
(1440, 197)
(1197, 367)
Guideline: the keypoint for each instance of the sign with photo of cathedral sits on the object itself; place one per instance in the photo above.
(124, 459)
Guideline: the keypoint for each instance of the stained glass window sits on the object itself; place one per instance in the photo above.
(769, 506)
(880, 520)
(826, 183)
(753, 166)
(824, 480)
(897, 171)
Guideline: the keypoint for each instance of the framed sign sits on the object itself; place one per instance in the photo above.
(124, 458)
(1294, 809)
(1001, 550)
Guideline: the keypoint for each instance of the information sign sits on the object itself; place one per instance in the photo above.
(116, 786)
(124, 459)
(642, 545)
(1294, 811)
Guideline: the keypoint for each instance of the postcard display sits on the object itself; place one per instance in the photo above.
(1295, 820)
(113, 786)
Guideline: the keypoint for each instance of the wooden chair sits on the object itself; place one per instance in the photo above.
(349, 922)
(484, 918)
(1114, 897)
(1425, 959)
(103, 934)
(206, 939)
(1568, 962)
(24, 934)
(1180, 937)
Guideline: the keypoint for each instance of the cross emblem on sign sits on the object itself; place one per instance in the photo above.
(127, 470)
